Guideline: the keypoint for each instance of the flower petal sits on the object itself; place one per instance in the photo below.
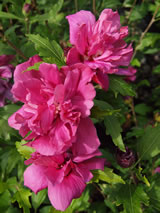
(62, 194)
(87, 141)
(34, 178)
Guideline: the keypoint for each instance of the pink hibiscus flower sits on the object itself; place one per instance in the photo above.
(65, 175)
(99, 44)
(54, 101)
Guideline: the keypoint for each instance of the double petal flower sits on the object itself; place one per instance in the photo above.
(54, 102)
(99, 44)
(66, 174)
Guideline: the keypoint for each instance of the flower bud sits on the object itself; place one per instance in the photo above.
(157, 170)
(125, 159)
(26, 9)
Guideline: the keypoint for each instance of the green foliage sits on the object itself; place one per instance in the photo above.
(37, 199)
(107, 175)
(48, 49)
(131, 198)
(117, 85)
(24, 150)
(113, 128)
(10, 16)
(149, 144)
(22, 197)
(121, 121)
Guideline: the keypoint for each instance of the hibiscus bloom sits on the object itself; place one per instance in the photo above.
(54, 101)
(99, 44)
(6, 70)
(66, 174)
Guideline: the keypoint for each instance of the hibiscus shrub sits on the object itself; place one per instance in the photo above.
(79, 106)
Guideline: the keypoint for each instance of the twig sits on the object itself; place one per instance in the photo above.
(18, 51)
(99, 190)
(133, 113)
(146, 30)
(94, 6)
(27, 25)
(76, 5)
(10, 20)
(130, 12)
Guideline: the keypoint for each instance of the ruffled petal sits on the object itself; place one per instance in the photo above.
(81, 20)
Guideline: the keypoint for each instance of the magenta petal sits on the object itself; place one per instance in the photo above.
(73, 56)
(20, 75)
(59, 93)
(102, 79)
(77, 20)
(34, 178)
(71, 83)
(95, 163)
(127, 72)
(81, 158)
(62, 194)
(12, 121)
(84, 172)
(43, 145)
(54, 175)
(50, 73)
(87, 141)
(5, 72)
(5, 59)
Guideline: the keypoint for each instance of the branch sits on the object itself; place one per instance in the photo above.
(18, 51)
(146, 30)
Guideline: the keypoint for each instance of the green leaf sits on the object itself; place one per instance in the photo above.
(9, 109)
(114, 129)
(51, 16)
(144, 82)
(37, 199)
(102, 109)
(34, 67)
(118, 85)
(22, 197)
(149, 144)
(131, 197)
(57, 7)
(142, 109)
(13, 159)
(136, 62)
(10, 184)
(157, 69)
(138, 12)
(5, 201)
(107, 175)
(25, 151)
(148, 41)
(10, 16)
(142, 177)
(48, 49)
(154, 193)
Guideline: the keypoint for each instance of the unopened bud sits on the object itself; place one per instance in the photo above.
(26, 9)
(125, 159)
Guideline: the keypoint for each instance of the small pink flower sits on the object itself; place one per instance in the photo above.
(99, 44)
(65, 175)
(54, 101)
(6, 70)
